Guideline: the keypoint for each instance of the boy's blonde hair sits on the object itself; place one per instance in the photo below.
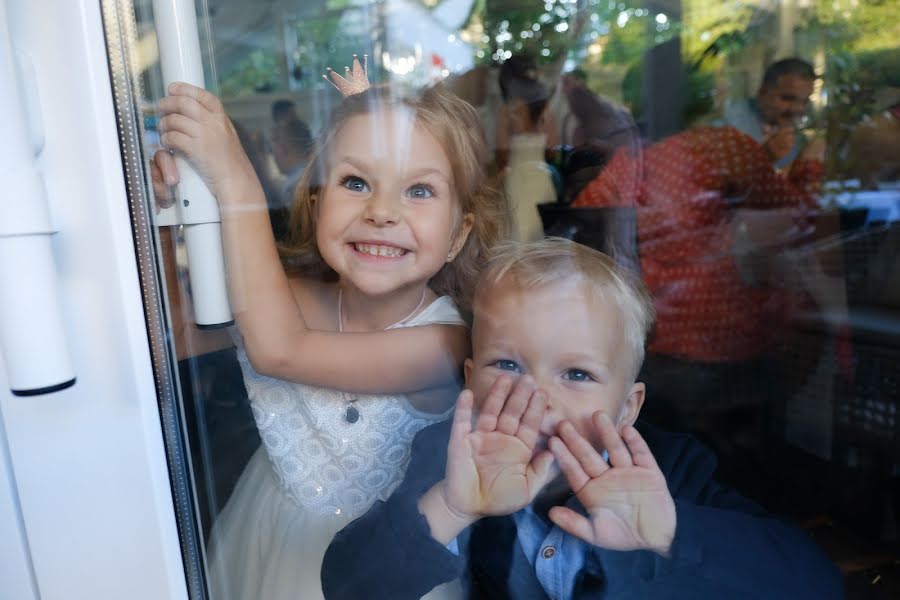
(556, 260)
(455, 125)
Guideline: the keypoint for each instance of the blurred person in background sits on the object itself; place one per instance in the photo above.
(525, 130)
(774, 116)
(292, 143)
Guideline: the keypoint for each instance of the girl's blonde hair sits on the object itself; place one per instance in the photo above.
(455, 125)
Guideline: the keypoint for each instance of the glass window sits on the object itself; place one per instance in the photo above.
(736, 160)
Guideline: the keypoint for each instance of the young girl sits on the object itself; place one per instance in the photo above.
(354, 353)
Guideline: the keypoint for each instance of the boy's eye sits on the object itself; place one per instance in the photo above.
(420, 190)
(578, 375)
(355, 184)
(508, 365)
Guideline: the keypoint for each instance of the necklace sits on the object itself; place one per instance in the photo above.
(352, 413)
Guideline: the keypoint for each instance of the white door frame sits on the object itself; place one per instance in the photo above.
(86, 483)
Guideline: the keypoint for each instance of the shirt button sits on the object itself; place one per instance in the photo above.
(549, 552)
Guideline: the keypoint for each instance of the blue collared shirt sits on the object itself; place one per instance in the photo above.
(556, 556)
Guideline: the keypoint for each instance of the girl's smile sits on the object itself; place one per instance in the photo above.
(379, 250)
(387, 219)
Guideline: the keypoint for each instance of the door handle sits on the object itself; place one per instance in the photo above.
(33, 342)
(196, 208)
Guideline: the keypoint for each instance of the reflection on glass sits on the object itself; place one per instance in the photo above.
(756, 199)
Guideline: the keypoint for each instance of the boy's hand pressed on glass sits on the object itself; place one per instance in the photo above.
(289, 327)
(627, 500)
(492, 467)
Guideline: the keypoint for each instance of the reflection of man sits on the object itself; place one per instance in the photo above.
(291, 144)
(772, 117)
(709, 356)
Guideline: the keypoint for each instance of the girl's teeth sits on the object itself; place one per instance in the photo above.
(378, 250)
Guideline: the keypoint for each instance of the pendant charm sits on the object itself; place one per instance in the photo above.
(352, 414)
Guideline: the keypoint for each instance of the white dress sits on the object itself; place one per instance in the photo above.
(314, 473)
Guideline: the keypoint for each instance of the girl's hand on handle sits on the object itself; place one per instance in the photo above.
(194, 124)
(163, 176)
(627, 499)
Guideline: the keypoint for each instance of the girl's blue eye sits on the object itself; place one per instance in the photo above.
(508, 365)
(355, 184)
(420, 191)
(578, 375)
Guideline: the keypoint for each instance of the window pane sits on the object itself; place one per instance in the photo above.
(738, 158)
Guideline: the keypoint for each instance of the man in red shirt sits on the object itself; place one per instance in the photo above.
(715, 323)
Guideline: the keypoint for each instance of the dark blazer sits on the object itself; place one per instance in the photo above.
(725, 545)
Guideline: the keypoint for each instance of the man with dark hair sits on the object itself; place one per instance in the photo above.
(772, 117)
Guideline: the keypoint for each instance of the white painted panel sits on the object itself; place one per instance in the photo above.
(16, 575)
(89, 461)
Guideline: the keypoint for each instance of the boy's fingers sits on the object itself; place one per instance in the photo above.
(493, 404)
(568, 464)
(619, 456)
(462, 418)
(530, 424)
(590, 460)
(515, 406)
(204, 97)
(640, 451)
(572, 523)
(540, 471)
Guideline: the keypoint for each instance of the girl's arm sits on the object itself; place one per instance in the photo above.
(276, 337)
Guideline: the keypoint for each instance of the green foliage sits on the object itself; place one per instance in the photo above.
(538, 28)
(258, 71)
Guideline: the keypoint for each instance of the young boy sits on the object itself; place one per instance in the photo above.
(558, 339)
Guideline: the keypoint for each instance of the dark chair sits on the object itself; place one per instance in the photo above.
(612, 230)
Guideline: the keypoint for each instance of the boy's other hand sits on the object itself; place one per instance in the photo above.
(627, 500)
(493, 469)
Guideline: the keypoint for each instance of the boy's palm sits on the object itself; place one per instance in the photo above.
(628, 502)
(492, 469)
(492, 473)
(627, 508)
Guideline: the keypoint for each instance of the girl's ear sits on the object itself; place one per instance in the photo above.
(462, 234)
(632, 405)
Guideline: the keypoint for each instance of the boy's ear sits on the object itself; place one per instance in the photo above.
(462, 234)
(633, 403)
(467, 370)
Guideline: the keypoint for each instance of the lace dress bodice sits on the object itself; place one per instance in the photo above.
(325, 463)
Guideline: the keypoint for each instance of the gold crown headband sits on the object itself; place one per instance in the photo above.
(353, 82)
